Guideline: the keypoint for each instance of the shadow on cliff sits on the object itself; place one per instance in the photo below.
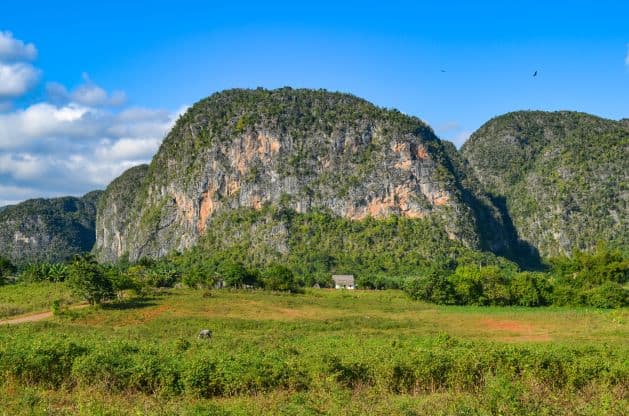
(499, 235)
(521, 252)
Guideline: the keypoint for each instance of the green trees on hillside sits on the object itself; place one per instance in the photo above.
(562, 176)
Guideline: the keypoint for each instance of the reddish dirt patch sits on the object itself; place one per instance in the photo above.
(515, 330)
(506, 325)
(142, 316)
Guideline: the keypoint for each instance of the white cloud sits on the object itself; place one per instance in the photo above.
(17, 78)
(71, 149)
(12, 49)
(88, 94)
(22, 166)
(93, 95)
(57, 92)
(20, 128)
(128, 149)
(10, 195)
(17, 75)
(462, 137)
(74, 141)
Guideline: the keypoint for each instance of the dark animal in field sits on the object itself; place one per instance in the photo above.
(205, 334)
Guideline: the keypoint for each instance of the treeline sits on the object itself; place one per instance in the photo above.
(96, 282)
(598, 279)
(595, 279)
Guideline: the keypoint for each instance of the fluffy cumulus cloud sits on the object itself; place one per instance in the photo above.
(74, 141)
(16, 79)
(87, 93)
(15, 49)
(17, 74)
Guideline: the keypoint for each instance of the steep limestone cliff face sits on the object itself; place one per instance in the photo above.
(48, 229)
(302, 150)
(562, 177)
(113, 213)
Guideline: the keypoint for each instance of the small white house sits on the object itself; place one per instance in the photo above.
(343, 281)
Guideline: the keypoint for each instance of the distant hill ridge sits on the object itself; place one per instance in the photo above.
(48, 229)
(562, 176)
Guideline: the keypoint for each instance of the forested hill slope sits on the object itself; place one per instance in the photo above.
(562, 176)
(250, 170)
(332, 182)
(48, 229)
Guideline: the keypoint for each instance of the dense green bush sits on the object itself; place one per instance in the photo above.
(606, 295)
(6, 269)
(531, 289)
(88, 280)
(586, 279)
(278, 277)
(44, 272)
(432, 285)
(379, 281)
(235, 274)
(593, 279)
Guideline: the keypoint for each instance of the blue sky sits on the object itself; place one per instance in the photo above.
(101, 83)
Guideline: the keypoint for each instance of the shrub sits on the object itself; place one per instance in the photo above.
(607, 295)
(467, 285)
(87, 279)
(199, 275)
(56, 307)
(47, 362)
(432, 286)
(495, 286)
(351, 374)
(530, 289)
(281, 278)
(236, 275)
(6, 269)
(42, 272)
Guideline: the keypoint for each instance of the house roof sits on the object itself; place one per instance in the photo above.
(343, 278)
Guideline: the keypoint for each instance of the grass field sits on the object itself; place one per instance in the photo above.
(23, 298)
(323, 352)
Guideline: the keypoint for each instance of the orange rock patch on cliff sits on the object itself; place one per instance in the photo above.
(397, 200)
(251, 146)
(206, 207)
(421, 153)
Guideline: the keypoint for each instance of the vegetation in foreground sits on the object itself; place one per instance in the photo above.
(321, 352)
(282, 349)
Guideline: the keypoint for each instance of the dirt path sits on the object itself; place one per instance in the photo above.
(35, 316)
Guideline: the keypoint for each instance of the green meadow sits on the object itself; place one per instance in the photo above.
(321, 352)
